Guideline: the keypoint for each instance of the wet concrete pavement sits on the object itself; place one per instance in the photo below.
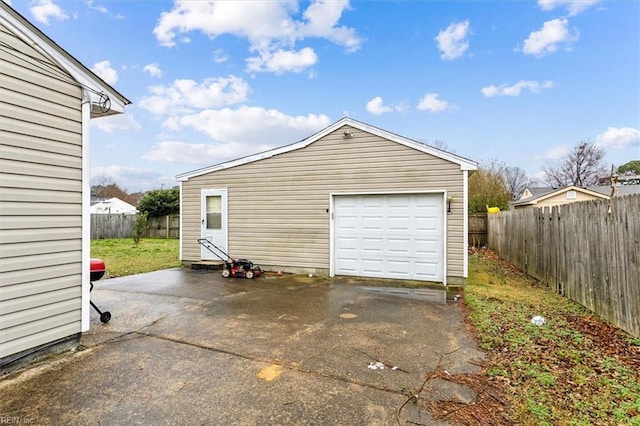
(189, 347)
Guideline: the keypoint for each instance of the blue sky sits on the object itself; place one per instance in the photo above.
(519, 81)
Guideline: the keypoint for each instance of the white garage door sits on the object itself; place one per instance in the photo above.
(389, 236)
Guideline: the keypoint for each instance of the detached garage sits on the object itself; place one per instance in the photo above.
(352, 199)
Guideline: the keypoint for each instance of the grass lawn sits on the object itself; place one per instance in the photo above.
(574, 370)
(124, 257)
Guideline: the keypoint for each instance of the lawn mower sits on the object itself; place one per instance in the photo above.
(97, 270)
(236, 268)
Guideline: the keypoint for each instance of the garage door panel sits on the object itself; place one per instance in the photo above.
(396, 245)
(430, 224)
(373, 266)
(348, 265)
(427, 247)
(394, 236)
(371, 203)
(372, 223)
(398, 274)
(347, 244)
(347, 222)
(399, 223)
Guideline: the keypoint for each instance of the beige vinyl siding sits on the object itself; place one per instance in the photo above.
(278, 206)
(40, 199)
(562, 199)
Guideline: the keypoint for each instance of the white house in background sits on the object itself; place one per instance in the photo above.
(47, 100)
(112, 206)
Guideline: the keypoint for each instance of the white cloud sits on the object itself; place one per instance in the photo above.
(556, 152)
(106, 72)
(219, 56)
(548, 38)
(376, 106)
(42, 10)
(282, 61)
(188, 94)
(153, 70)
(99, 8)
(200, 153)
(574, 7)
(452, 40)
(270, 27)
(321, 21)
(116, 123)
(618, 137)
(253, 20)
(250, 125)
(431, 103)
(516, 89)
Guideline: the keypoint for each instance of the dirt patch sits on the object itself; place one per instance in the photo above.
(270, 373)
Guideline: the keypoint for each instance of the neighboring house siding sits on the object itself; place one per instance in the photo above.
(558, 199)
(562, 199)
(40, 199)
(278, 206)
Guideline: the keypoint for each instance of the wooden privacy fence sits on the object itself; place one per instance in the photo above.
(122, 226)
(587, 251)
(112, 226)
(478, 230)
(163, 227)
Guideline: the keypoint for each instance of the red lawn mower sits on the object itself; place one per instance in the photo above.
(235, 268)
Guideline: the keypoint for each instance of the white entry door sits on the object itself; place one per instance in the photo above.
(214, 221)
(390, 236)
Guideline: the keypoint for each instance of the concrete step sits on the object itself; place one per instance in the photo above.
(214, 265)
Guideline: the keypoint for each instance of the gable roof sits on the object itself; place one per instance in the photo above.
(552, 192)
(97, 88)
(464, 163)
(536, 191)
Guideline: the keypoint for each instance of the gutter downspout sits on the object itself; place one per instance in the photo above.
(86, 215)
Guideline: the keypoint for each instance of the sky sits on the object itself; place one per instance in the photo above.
(518, 81)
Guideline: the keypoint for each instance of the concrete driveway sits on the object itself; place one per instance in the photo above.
(189, 347)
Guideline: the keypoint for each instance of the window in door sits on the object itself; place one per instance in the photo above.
(214, 212)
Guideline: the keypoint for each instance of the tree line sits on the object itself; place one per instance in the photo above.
(154, 203)
(495, 183)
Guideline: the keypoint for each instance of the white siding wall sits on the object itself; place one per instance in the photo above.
(40, 199)
(278, 206)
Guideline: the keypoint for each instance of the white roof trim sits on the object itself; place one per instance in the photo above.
(31, 35)
(465, 164)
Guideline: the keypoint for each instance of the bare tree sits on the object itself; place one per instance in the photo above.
(516, 180)
(103, 186)
(438, 144)
(581, 167)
